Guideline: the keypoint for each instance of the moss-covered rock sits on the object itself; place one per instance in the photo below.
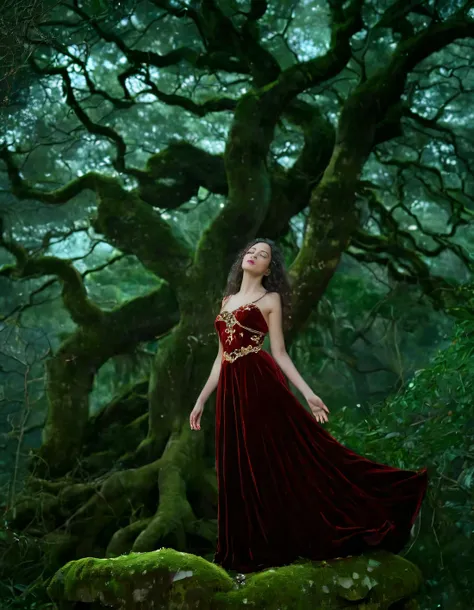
(171, 579)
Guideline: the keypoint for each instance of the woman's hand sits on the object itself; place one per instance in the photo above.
(317, 406)
(195, 417)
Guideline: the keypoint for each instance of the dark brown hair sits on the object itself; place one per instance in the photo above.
(277, 281)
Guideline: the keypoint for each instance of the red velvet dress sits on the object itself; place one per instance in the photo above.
(287, 488)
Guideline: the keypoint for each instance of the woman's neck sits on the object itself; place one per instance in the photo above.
(251, 286)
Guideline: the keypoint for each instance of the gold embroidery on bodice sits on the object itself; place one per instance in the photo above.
(231, 323)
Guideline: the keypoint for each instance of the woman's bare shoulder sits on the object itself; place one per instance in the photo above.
(273, 295)
(272, 300)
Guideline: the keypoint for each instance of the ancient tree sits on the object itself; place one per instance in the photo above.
(353, 104)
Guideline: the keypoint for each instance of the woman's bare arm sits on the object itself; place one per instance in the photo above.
(278, 349)
(211, 383)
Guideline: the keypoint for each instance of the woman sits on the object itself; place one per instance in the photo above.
(286, 487)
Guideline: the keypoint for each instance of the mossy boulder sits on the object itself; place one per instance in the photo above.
(175, 580)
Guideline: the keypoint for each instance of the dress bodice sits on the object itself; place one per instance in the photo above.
(241, 331)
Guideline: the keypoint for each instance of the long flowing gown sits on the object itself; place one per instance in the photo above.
(286, 487)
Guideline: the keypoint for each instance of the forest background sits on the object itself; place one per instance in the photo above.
(143, 142)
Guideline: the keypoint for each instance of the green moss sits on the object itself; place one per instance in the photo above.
(170, 579)
(130, 580)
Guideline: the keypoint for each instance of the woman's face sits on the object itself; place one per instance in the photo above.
(257, 258)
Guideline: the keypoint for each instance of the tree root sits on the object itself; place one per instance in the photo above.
(170, 501)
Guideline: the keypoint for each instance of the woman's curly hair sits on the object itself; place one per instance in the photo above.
(277, 281)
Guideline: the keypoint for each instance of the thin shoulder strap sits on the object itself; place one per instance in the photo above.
(260, 297)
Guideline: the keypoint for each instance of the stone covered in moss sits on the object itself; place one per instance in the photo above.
(171, 579)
